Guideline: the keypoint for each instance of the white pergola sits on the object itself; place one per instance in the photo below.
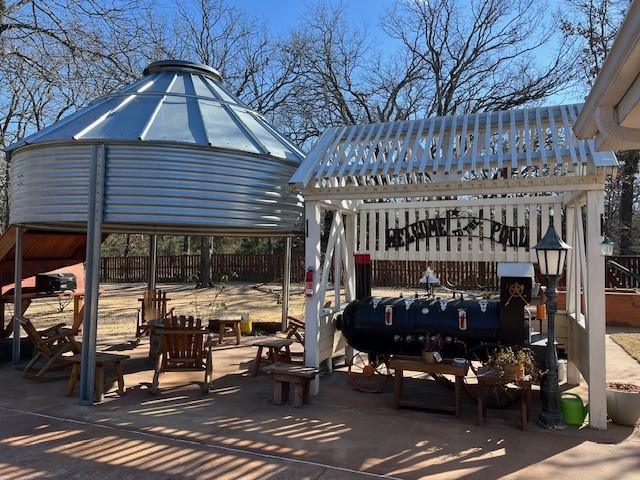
(505, 174)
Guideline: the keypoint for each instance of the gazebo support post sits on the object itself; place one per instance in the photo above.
(595, 303)
(92, 275)
(17, 296)
(312, 261)
(153, 262)
(286, 282)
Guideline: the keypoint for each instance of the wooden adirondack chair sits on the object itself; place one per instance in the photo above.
(296, 326)
(185, 348)
(153, 305)
(50, 346)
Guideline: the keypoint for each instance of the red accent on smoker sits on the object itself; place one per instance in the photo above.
(388, 315)
(363, 259)
(462, 319)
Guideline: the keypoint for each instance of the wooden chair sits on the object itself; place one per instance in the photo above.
(153, 305)
(184, 349)
(50, 345)
(296, 326)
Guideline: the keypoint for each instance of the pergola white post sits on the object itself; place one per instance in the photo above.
(92, 274)
(153, 262)
(350, 233)
(573, 374)
(17, 296)
(312, 309)
(595, 305)
(286, 282)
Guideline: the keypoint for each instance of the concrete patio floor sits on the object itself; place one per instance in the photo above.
(236, 432)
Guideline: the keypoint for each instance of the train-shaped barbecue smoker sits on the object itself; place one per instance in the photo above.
(461, 325)
(402, 326)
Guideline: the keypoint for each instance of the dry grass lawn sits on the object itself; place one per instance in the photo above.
(119, 305)
(630, 343)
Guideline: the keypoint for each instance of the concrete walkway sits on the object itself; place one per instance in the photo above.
(621, 367)
(237, 433)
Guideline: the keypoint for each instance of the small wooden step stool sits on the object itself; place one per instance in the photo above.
(300, 377)
(102, 360)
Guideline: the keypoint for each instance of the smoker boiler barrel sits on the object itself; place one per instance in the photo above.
(400, 325)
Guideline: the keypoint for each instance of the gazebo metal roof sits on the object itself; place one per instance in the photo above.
(177, 102)
(181, 155)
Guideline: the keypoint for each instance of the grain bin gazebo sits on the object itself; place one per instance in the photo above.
(174, 152)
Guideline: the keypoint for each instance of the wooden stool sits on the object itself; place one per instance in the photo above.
(102, 359)
(232, 324)
(492, 379)
(300, 377)
(275, 346)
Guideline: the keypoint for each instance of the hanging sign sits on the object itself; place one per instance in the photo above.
(509, 236)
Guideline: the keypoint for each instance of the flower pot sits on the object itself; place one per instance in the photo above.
(514, 372)
(623, 407)
(428, 357)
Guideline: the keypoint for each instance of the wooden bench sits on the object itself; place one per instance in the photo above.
(417, 364)
(493, 379)
(278, 350)
(284, 375)
(102, 359)
(226, 327)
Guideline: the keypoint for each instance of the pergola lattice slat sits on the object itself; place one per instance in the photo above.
(540, 137)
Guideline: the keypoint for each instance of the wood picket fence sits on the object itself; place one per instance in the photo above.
(268, 268)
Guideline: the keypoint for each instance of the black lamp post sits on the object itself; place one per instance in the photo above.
(551, 252)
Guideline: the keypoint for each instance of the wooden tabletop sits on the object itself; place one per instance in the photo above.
(297, 370)
(417, 364)
(102, 357)
(273, 342)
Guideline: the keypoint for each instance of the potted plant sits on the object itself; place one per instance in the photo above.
(513, 365)
(432, 344)
(623, 403)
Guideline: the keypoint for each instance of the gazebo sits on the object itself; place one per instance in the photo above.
(174, 152)
(520, 169)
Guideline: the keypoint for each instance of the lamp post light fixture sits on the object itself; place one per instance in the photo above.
(607, 247)
(551, 252)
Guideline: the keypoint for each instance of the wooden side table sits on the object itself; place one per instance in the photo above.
(226, 327)
(102, 359)
(300, 377)
(417, 364)
(278, 351)
(493, 379)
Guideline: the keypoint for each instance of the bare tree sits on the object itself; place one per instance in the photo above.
(594, 25)
(480, 55)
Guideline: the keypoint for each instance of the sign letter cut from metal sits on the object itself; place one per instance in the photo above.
(92, 274)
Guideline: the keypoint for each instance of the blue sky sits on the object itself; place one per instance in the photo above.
(282, 15)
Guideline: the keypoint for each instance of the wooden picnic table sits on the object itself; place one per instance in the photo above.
(29, 294)
(417, 364)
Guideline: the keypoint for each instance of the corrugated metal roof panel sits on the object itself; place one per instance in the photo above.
(174, 102)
